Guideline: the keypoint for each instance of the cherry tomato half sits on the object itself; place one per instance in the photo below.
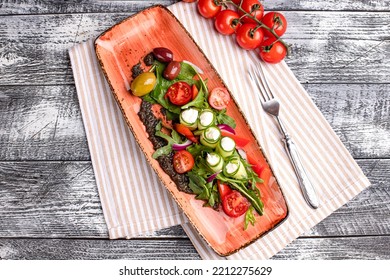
(249, 36)
(219, 98)
(253, 7)
(208, 8)
(223, 189)
(179, 93)
(226, 22)
(234, 204)
(271, 51)
(275, 21)
(183, 161)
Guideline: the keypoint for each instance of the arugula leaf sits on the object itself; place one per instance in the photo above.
(209, 194)
(249, 217)
(162, 151)
(223, 118)
(175, 139)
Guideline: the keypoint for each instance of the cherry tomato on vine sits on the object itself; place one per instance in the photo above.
(179, 93)
(275, 21)
(226, 22)
(253, 7)
(271, 51)
(234, 204)
(208, 8)
(249, 36)
(183, 161)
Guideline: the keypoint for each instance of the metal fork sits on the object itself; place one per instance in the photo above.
(272, 106)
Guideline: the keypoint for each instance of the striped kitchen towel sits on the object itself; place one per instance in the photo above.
(122, 174)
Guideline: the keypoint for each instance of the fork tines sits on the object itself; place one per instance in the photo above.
(257, 76)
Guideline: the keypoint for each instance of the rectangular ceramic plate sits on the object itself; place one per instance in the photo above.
(123, 46)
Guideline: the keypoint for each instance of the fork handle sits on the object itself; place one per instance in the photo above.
(307, 188)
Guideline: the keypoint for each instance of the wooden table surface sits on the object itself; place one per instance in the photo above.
(49, 205)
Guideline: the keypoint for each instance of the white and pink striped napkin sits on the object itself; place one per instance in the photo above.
(122, 173)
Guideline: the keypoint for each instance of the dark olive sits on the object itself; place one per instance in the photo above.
(172, 70)
(163, 54)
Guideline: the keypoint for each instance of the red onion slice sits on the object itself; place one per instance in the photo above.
(227, 128)
(183, 146)
(212, 177)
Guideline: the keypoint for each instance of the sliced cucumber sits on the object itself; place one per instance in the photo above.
(206, 119)
(215, 162)
(189, 118)
(210, 136)
(226, 147)
(234, 168)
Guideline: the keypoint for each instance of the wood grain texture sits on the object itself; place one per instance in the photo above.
(337, 47)
(301, 249)
(91, 6)
(44, 122)
(60, 200)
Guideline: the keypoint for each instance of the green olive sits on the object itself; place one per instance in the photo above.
(143, 84)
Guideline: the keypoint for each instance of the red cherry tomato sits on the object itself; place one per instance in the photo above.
(253, 7)
(183, 161)
(179, 93)
(185, 131)
(234, 204)
(226, 22)
(208, 8)
(219, 98)
(241, 142)
(249, 37)
(275, 21)
(223, 190)
(271, 51)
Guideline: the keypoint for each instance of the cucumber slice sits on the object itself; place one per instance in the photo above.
(189, 118)
(206, 119)
(210, 136)
(215, 162)
(235, 169)
(226, 147)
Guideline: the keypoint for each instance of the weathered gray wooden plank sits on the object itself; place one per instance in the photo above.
(354, 248)
(17, 7)
(182, 249)
(41, 123)
(60, 200)
(339, 47)
(44, 123)
(91, 6)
